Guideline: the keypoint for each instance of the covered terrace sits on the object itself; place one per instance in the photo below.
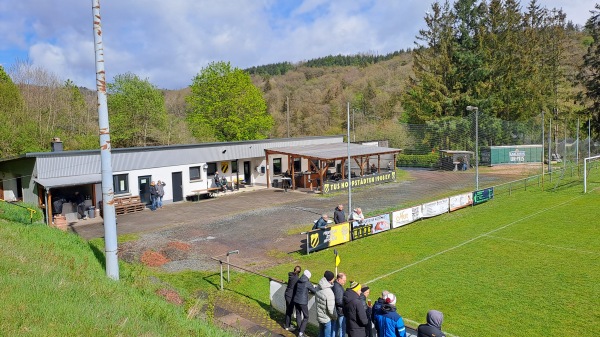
(325, 158)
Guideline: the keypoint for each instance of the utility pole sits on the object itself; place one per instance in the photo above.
(287, 105)
(108, 195)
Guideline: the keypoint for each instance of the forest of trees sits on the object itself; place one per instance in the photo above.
(510, 62)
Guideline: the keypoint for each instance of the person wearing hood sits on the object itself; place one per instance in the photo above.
(289, 297)
(325, 301)
(433, 328)
(303, 286)
(354, 311)
(388, 322)
(338, 214)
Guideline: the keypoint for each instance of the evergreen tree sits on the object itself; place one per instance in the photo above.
(589, 74)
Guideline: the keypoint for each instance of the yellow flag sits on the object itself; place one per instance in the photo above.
(337, 260)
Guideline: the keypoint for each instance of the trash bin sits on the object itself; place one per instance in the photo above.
(91, 212)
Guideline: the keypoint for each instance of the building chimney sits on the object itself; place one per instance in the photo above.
(56, 145)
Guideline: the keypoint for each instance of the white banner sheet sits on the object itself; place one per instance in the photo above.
(460, 201)
(406, 216)
(435, 208)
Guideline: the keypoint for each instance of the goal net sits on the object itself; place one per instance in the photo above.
(591, 173)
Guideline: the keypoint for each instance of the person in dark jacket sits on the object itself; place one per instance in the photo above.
(289, 297)
(364, 298)
(433, 328)
(339, 326)
(303, 286)
(377, 307)
(338, 214)
(322, 222)
(354, 311)
(389, 323)
(153, 196)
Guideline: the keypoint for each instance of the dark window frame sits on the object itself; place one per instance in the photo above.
(193, 175)
(117, 178)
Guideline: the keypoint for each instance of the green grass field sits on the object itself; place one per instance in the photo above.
(524, 264)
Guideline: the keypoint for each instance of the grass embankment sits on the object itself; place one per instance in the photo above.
(524, 264)
(53, 283)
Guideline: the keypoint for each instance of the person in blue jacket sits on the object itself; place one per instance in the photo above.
(388, 322)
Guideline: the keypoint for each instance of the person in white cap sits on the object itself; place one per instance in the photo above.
(387, 321)
(303, 286)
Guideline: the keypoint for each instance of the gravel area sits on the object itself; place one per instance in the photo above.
(258, 222)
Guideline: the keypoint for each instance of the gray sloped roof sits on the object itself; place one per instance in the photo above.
(336, 151)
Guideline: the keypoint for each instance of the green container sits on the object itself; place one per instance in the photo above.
(511, 154)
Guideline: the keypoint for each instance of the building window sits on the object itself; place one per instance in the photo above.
(297, 164)
(234, 167)
(121, 183)
(276, 165)
(211, 169)
(195, 173)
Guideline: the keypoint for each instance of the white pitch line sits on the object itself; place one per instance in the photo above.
(545, 245)
(469, 241)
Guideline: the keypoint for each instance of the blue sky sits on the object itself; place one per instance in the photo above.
(169, 42)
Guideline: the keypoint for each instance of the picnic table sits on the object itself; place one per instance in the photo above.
(211, 192)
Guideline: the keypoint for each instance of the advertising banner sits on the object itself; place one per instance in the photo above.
(372, 226)
(331, 236)
(460, 201)
(406, 216)
(332, 186)
(435, 208)
(482, 196)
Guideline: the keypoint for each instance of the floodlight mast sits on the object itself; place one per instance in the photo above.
(476, 109)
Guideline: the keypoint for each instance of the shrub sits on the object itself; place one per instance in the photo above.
(418, 160)
(20, 212)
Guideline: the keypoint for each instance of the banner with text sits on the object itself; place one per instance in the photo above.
(482, 196)
(331, 236)
(406, 216)
(435, 208)
(460, 201)
(370, 226)
(332, 186)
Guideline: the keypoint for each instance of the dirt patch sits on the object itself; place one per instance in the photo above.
(153, 259)
(178, 245)
(170, 295)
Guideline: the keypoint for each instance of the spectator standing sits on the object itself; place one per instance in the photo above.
(322, 222)
(354, 311)
(153, 195)
(364, 298)
(303, 286)
(339, 326)
(325, 301)
(357, 217)
(434, 325)
(377, 307)
(389, 323)
(217, 180)
(289, 297)
(160, 193)
(338, 214)
(79, 202)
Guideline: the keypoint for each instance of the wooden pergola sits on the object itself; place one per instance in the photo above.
(325, 154)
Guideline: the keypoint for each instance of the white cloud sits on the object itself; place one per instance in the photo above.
(171, 41)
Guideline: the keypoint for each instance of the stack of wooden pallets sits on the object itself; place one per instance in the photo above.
(125, 205)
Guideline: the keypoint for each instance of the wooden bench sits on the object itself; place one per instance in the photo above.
(125, 205)
(211, 192)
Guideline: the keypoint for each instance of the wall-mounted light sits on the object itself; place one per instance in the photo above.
(205, 167)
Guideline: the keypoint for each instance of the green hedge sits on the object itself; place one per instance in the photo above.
(19, 212)
(418, 160)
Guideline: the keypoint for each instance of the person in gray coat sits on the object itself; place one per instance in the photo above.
(325, 302)
(434, 325)
(303, 286)
(160, 190)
